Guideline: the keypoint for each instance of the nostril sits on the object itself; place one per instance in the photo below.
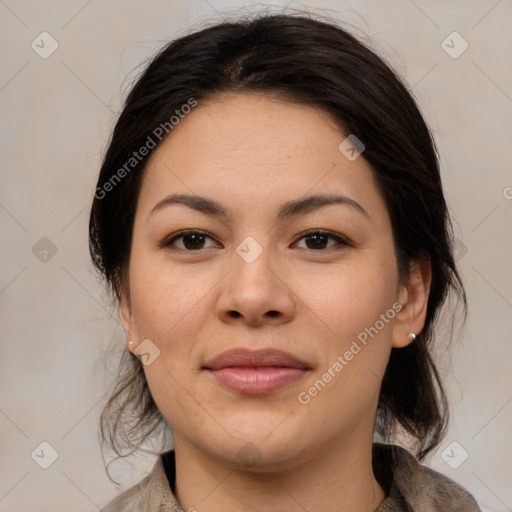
(235, 314)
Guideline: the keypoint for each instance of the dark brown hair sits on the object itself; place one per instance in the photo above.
(312, 62)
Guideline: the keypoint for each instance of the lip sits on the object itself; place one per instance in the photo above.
(246, 358)
(256, 372)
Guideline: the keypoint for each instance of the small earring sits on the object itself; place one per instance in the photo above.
(412, 336)
(130, 343)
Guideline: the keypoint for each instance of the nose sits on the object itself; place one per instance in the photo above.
(256, 293)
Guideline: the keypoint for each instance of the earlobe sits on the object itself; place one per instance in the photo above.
(414, 299)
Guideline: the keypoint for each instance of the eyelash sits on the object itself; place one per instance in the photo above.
(168, 242)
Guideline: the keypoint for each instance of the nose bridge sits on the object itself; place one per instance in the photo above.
(251, 274)
(250, 250)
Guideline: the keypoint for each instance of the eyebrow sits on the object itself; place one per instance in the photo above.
(288, 209)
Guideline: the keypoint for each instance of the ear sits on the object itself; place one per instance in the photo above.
(126, 315)
(413, 296)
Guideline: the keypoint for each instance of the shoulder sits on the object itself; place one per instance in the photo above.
(151, 494)
(129, 501)
(423, 488)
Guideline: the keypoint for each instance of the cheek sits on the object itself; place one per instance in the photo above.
(170, 308)
(167, 301)
(356, 349)
(347, 299)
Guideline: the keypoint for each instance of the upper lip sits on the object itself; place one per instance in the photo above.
(247, 358)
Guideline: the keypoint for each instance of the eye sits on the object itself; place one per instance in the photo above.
(187, 241)
(191, 241)
(319, 240)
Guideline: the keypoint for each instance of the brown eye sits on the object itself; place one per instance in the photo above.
(318, 240)
(187, 241)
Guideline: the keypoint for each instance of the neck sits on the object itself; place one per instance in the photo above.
(337, 478)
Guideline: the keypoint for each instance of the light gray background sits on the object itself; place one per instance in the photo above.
(57, 114)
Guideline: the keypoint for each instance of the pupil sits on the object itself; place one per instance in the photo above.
(318, 240)
(195, 241)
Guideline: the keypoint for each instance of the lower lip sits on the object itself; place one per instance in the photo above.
(257, 381)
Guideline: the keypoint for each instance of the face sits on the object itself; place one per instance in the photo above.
(253, 263)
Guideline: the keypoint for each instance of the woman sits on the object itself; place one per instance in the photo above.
(270, 217)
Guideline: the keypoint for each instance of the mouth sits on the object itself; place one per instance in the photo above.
(250, 372)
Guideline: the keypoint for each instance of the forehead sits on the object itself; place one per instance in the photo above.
(238, 126)
(256, 148)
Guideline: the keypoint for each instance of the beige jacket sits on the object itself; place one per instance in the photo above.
(410, 487)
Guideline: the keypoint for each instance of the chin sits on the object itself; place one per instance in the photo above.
(261, 446)
(271, 457)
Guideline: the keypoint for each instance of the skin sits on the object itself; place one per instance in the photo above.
(252, 153)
